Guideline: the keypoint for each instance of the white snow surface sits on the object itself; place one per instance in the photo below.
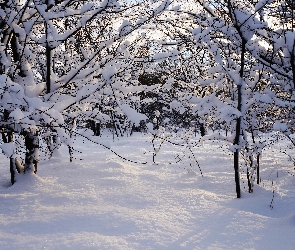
(102, 202)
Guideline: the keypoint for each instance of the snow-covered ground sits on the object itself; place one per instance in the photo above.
(102, 202)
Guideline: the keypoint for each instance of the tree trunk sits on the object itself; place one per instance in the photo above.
(257, 169)
(32, 145)
(97, 129)
(202, 129)
(237, 174)
(239, 120)
(48, 57)
(237, 151)
(12, 171)
(70, 153)
(8, 139)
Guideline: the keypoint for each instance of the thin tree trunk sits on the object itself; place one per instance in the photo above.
(237, 150)
(32, 145)
(239, 122)
(97, 129)
(70, 153)
(9, 139)
(48, 70)
(70, 150)
(202, 129)
(12, 171)
(237, 174)
(4, 139)
(257, 169)
(48, 57)
(250, 175)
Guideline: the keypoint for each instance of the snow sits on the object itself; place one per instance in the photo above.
(8, 148)
(108, 72)
(162, 7)
(290, 40)
(164, 55)
(102, 202)
(86, 7)
(125, 28)
(177, 106)
(132, 114)
(280, 126)
(247, 23)
(18, 30)
(17, 115)
(261, 4)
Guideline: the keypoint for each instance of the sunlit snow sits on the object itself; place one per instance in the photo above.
(102, 202)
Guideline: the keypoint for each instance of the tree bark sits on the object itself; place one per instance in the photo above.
(237, 142)
(257, 169)
(239, 121)
(9, 139)
(32, 145)
(202, 129)
(48, 56)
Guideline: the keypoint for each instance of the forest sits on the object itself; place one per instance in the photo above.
(222, 69)
(147, 124)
